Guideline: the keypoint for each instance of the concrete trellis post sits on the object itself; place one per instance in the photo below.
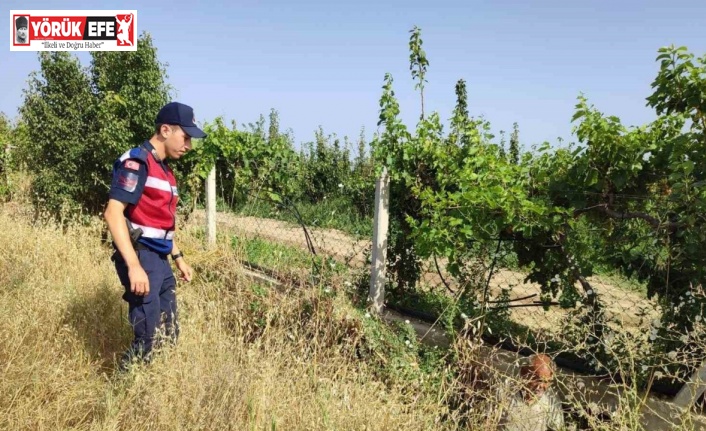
(379, 252)
(211, 207)
(692, 390)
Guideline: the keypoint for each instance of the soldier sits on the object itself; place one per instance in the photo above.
(142, 207)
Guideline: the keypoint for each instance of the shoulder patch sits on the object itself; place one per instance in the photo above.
(127, 181)
(131, 164)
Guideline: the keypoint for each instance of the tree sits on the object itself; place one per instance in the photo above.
(360, 158)
(460, 119)
(5, 131)
(640, 192)
(660, 236)
(418, 62)
(361, 183)
(130, 88)
(273, 133)
(501, 148)
(397, 149)
(59, 110)
(515, 145)
(5, 142)
(79, 121)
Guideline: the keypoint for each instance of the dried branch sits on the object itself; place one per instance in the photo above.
(653, 221)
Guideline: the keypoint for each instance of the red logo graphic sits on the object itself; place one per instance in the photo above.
(70, 30)
(126, 31)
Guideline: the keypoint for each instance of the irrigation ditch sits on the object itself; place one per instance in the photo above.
(602, 396)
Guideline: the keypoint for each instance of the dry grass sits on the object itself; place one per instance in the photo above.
(248, 358)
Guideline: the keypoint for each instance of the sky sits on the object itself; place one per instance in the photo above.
(322, 63)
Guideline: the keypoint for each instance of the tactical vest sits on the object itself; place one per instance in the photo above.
(155, 212)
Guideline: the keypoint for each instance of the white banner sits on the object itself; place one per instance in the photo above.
(73, 30)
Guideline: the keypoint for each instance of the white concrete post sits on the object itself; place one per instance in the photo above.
(379, 252)
(692, 390)
(211, 207)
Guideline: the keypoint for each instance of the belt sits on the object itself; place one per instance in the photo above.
(140, 246)
(136, 245)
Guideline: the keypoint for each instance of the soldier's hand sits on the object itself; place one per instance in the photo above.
(186, 270)
(139, 283)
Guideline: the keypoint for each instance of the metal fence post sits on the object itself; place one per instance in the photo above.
(211, 207)
(380, 227)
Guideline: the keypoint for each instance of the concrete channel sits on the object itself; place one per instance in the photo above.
(600, 396)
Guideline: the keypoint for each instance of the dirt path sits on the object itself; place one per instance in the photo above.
(630, 309)
(330, 242)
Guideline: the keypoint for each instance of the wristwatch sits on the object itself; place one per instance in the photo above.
(178, 255)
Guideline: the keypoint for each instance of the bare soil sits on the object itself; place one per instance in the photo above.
(630, 309)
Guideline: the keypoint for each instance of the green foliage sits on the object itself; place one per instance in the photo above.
(414, 163)
(329, 175)
(644, 191)
(130, 89)
(418, 62)
(627, 199)
(679, 86)
(260, 173)
(397, 354)
(326, 166)
(248, 165)
(395, 149)
(446, 192)
(60, 112)
(501, 148)
(281, 257)
(79, 121)
(360, 184)
(515, 145)
(5, 129)
(460, 120)
(5, 142)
